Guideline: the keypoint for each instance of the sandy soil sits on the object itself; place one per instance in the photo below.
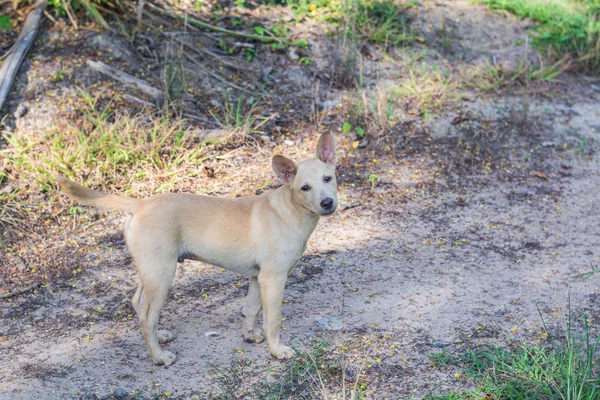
(437, 254)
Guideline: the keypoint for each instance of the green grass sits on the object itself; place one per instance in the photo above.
(110, 148)
(565, 368)
(565, 27)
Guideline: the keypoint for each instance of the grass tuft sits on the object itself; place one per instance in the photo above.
(111, 147)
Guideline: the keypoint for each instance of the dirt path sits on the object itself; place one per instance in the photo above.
(435, 255)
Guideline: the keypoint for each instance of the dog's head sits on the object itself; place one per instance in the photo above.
(312, 181)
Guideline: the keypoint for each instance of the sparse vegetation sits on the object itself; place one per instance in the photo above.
(565, 27)
(315, 373)
(555, 369)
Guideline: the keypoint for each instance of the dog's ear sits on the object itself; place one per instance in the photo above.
(326, 149)
(284, 168)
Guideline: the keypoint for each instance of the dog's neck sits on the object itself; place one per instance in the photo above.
(282, 201)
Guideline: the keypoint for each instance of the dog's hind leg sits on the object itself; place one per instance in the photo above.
(252, 333)
(156, 276)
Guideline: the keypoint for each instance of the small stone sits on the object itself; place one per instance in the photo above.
(566, 164)
(289, 142)
(121, 393)
(329, 323)
(410, 185)
(20, 111)
(595, 87)
(549, 143)
(211, 334)
(265, 73)
(293, 54)
(363, 143)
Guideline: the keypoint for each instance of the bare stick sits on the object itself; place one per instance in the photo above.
(20, 291)
(125, 78)
(11, 65)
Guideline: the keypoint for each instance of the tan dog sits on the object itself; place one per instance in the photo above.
(262, 237)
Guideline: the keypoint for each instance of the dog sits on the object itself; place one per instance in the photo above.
(262, 237)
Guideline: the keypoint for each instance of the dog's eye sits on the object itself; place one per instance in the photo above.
(305, 188)
(327, 179)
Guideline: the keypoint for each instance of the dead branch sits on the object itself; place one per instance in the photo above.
(13, 61)
(125, 78)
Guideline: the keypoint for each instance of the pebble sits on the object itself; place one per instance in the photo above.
(20, 111)
(121, 393)
(211, 333)
(289, 142)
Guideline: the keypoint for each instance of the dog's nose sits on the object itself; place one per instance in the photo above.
(327, 203)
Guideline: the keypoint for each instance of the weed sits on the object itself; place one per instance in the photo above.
(440, 358)
(382, 22)
(566, 369)
(425, 89)
(173, 77)
(241, 114)
(346, 64)
(130, 149)
(566, 27)
(12, 213)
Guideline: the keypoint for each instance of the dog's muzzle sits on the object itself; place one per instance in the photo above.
(328, 206)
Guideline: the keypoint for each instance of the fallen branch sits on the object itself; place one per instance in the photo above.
(204, 25)
(125, 78)
(20, 291)
(11, 65)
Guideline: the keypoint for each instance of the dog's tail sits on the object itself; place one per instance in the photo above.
(93, 198)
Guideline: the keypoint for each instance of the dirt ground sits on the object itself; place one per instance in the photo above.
(439, 252)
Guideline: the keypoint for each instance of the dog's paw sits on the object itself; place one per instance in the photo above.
(254, 336)
(165, 358)
(283, 352)
(164, 336)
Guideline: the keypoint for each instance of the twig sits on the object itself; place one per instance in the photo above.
(243, 67)
(71, 16)
(138, 100)
(204, 25)
(125, 78)
(204, 120)
(214, 75)
(20, 291)
(140, 13)
(11, 65)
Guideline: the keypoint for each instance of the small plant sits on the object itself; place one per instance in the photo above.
(173, 77)
(6, 23)
(438, 359)
(241, 115)
(59, 76)
(74, 211)
(373, 179)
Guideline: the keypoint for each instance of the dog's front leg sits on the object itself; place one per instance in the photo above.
(252, 333)
(272, 286)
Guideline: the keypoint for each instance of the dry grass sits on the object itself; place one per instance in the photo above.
(133, 150)
(423, 89)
